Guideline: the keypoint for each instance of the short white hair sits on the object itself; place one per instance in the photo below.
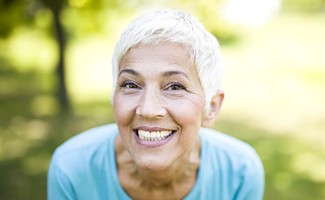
(177, 27)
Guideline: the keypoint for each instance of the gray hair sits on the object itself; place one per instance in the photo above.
(178, 27)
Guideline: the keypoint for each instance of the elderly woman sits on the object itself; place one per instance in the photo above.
(166, 72)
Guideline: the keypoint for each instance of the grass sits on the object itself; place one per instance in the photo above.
(274, 95)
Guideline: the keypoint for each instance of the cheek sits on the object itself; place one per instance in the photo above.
(188, 112)
(122, 110)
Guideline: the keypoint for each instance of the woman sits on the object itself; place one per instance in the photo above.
(166, 72)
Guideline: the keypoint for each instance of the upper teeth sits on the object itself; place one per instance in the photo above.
(155, 135)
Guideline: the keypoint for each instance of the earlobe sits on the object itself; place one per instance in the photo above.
(215, 105)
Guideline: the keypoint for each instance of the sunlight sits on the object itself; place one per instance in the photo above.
(250, 12)
(31, 50)
(281, 74)
(88, 70)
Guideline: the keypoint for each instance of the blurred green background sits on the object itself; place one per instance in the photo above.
(55, 81)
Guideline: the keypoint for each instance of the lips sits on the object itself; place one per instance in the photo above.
(153, 137)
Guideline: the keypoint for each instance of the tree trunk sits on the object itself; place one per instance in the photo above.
(60, 71)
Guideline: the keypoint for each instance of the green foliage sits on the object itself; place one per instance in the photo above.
(79, 17)
(54, 5)
(12, 14)
(309, 6)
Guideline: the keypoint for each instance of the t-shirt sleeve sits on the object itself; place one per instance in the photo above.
(252, 185)
(59, 186)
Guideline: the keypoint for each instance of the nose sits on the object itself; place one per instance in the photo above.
(150, 105)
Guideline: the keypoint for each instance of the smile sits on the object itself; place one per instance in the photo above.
(154, 135)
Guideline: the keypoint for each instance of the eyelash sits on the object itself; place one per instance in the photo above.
(133, 85)
(180, 86)
(129, 85)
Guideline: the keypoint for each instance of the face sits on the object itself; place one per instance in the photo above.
(158, 104)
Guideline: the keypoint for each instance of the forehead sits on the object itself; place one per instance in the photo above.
(158, 56)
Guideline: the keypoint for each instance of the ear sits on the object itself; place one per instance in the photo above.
(215, 105)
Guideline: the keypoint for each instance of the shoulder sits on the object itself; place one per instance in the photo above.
(90, 145)
(77, 166)
(225, 144)
(232, 155)
(230, 160)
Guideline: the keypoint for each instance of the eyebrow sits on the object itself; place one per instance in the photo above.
(129, 71)
(164, 74)
(175, 72)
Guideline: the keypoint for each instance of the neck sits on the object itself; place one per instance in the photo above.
(179, 176)
(182, 170)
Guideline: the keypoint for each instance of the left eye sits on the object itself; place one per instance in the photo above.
(129, 85)
(175, 86)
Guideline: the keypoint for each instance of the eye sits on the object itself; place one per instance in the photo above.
(129, 85)
(175, 86)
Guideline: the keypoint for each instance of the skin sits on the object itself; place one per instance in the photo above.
(158, 89)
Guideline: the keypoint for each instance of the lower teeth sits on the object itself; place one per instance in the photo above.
(153, 139)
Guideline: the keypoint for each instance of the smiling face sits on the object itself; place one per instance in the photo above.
(159, 104)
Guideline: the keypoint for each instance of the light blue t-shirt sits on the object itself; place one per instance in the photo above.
(84, 168)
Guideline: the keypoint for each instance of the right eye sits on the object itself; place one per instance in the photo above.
(129, 85)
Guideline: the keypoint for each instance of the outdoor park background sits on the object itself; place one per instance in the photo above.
(274, 58)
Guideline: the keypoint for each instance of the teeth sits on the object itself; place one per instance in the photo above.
(153, 136)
